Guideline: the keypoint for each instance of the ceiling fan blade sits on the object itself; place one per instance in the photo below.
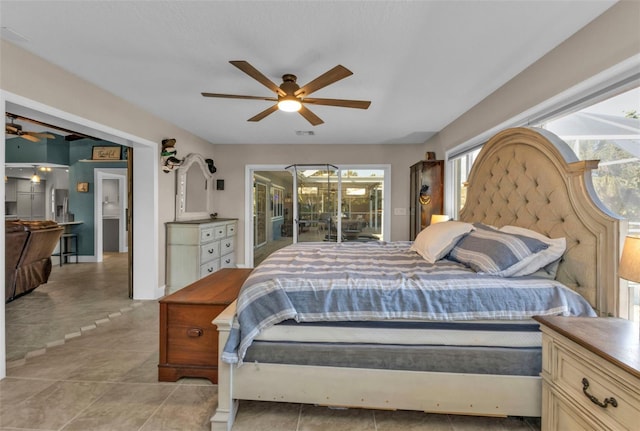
(258, 76)
(29, 137)
(359, 104)
(11, 129)
(310, 116)
(336, 74)
(40, 135)
(238, 96)
(268, 111)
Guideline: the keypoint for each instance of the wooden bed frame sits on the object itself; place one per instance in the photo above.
(524, 177)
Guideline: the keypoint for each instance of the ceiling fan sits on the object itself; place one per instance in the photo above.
(71, 135)
(16, 129)
(290, 96)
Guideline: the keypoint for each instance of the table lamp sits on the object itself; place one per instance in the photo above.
(629, 268)
(437, 218)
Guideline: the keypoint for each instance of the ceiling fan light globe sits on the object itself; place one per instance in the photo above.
(289, 105)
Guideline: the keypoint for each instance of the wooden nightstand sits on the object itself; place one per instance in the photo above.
(188, 339)
(590, 374)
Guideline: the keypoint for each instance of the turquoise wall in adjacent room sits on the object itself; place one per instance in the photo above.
(55, 151)
(82, 204)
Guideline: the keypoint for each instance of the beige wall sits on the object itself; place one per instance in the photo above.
(232, 160)
(607, 41)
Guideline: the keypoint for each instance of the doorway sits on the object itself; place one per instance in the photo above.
(145, 185)
(303, 205)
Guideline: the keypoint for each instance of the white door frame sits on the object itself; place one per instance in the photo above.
(248, 201)
(100, 174)
(145, 185)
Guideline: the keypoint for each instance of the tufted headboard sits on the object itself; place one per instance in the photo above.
(529, 177)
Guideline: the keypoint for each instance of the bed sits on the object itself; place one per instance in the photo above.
(467, 346)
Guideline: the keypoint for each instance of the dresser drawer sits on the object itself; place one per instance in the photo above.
(231, 229)
(220, 231)
(601, 385)
(228, 261)
(227, 245)
(207, 234)
(209, 267)
(209, 251)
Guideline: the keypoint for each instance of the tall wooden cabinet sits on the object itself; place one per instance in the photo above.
(426, 194)
(197, 248)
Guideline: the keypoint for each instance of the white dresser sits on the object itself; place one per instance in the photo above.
(197, 248)
(590, 374)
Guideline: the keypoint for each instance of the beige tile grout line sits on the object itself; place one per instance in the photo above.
(71, 335)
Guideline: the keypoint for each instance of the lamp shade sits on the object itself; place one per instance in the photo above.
(437, 218)
(630, 261)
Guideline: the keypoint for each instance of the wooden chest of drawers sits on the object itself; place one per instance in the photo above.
(188, 339)
(591, 374)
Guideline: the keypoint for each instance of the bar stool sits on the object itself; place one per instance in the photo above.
(68, 247)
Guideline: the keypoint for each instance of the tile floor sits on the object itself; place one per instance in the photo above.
(84, 357)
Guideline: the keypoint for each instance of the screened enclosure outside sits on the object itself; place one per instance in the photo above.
(609, 131)
(316, 203)
(337, 205)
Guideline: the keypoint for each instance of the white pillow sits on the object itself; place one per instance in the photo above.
(536, 261)
(435, 241)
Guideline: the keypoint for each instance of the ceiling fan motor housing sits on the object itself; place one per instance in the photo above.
(289, 86)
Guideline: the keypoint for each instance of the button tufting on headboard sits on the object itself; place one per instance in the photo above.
(554, 200)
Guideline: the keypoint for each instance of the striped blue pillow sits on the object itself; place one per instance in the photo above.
(488, 250)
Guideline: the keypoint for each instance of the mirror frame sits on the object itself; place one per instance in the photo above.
(181, 188)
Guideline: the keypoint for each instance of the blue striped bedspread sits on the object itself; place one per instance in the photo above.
(383, 280)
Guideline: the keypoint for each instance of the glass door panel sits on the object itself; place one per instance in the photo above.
(260, 214)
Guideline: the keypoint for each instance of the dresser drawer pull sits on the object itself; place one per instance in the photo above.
(594, 400)
(194, 332)
(210, 251)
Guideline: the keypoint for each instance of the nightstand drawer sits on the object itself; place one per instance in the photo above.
(570, 377)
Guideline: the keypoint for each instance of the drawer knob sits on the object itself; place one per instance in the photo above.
(194, 332)
(209, 269)
(594, 400)
(210, 251)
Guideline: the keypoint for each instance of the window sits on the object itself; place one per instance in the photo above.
(461, 166)
(608, 131)
(277, 202)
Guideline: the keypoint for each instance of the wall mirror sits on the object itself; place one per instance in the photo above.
(193, 189)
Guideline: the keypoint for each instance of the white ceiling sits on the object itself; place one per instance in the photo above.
(421, 63)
